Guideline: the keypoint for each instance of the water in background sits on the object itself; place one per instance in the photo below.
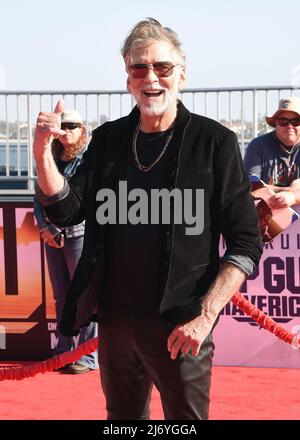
(13, 158)
(13, 166)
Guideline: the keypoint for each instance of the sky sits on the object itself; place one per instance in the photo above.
(75, 44)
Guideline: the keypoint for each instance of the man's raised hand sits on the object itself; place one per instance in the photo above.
(47, 125)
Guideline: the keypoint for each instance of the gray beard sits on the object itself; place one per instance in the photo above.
(156, 109)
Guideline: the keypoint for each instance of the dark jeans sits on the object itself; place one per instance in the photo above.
(62, 263)
(133, 355)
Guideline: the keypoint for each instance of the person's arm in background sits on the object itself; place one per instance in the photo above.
(48, 230)
(289, 196)
(253, 161)
(39, 214)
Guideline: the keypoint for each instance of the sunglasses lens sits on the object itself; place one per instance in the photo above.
(161, 69)
(284, 122)
(69, 126)
(138, 70)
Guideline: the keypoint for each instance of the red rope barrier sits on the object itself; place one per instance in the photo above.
(19, 373)
(265, 321)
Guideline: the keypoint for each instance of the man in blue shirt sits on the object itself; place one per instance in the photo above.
(275, 157)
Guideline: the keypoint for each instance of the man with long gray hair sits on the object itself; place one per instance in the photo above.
(158, 285)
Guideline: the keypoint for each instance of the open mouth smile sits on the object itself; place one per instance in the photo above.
(153, 93)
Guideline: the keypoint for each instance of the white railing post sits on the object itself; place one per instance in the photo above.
(230, 113)
(7, 152)
(242, 125)
(30, 146)
(18, 140)
(254, 113)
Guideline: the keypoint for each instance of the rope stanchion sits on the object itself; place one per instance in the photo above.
(19, 373)
(265, 321)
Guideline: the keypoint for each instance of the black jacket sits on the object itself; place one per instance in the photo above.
(209, 158)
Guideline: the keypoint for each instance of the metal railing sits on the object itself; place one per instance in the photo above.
(242, 109)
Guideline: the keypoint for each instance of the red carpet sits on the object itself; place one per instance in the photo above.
(238, 393)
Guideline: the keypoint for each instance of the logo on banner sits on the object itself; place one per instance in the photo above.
(274, 288)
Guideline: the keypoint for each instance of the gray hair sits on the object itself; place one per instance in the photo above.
(150, 30)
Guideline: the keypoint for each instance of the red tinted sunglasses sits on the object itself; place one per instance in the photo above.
(161, 69)
(284, 122)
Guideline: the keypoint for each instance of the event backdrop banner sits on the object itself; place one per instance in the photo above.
(275, 289)
(27, 313)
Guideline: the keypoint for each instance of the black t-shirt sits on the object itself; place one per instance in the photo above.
(135, 254)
